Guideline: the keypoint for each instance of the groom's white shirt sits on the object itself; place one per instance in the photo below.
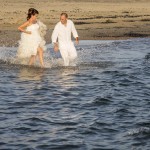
(63, 33)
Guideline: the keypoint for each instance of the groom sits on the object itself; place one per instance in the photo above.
(62, 33)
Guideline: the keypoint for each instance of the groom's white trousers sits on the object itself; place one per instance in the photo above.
(68, 52)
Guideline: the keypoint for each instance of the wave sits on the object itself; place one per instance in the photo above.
(138, 131)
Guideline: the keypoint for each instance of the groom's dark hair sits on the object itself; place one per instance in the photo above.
(64, 14)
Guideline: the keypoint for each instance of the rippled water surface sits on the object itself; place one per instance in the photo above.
(101, 103)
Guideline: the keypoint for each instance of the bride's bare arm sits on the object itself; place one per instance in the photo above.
(21, 28)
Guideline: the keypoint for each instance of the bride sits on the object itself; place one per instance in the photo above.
(32, 41)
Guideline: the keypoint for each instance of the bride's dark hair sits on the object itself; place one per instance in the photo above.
(31, 12)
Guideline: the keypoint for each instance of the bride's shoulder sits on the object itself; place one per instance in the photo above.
(25, 24)
(28, 23)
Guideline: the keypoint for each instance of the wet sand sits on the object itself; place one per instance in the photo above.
(94, 19)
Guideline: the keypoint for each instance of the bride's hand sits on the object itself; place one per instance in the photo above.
(28, 32)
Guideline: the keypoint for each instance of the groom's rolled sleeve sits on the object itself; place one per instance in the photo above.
(55, 35)
(74, 31)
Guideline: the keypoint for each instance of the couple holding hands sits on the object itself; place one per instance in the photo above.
(32, 43)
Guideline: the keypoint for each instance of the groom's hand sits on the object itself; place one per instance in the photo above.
(56, 47)
(77, 40)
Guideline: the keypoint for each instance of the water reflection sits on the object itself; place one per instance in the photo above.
(67, 77)
(30, 73)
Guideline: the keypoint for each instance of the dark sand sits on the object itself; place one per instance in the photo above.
(94, 19)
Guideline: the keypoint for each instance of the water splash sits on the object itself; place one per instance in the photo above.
(88, 56)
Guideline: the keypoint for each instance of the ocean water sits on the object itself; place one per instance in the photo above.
(101, 103)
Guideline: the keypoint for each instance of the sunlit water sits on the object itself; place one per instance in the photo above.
(101, 102)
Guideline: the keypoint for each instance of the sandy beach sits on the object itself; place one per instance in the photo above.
(94, 19)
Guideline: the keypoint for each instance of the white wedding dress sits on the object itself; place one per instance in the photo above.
(29, 43)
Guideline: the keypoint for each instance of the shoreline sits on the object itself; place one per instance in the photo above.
(11, 38)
